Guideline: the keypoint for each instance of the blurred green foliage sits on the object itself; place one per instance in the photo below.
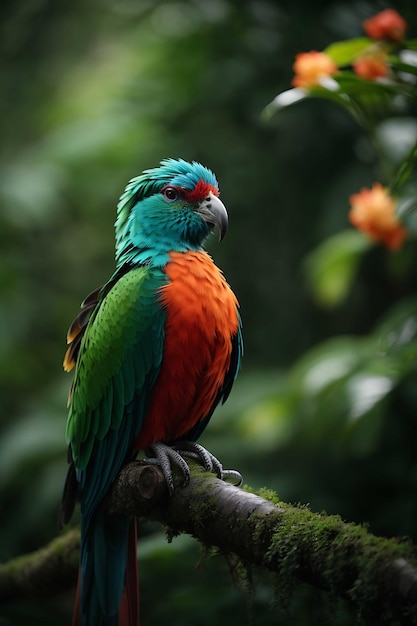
(325, 408)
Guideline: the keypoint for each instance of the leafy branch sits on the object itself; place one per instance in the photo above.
(377, 576)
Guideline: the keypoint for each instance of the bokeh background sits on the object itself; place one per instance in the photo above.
(324, 411)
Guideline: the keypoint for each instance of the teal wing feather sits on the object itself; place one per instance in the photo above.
(118, 360)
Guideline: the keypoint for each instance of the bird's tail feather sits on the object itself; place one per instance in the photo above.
(76, 613)
(107, 591)
(129, 606)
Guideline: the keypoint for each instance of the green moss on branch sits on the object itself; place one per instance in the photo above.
(377, 576)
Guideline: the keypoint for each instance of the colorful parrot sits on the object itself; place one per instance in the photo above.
(155, 350)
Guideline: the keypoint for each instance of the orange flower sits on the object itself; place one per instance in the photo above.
(373, 212)
(386, 25)
(371, 65)
(310, 67)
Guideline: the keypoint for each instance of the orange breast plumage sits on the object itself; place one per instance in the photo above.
(201, 322)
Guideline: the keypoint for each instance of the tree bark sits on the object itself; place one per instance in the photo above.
(377, 576)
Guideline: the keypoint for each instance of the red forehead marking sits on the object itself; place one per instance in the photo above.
(200, 191)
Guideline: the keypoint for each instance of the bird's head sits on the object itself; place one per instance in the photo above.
(171, 207)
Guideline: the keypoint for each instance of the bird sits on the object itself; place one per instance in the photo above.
(154, 351)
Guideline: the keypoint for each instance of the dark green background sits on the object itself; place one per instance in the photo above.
(94, 92)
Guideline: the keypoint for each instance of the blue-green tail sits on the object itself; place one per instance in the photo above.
(108, 586)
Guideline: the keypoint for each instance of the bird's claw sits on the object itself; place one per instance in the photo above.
(195, 451)
(233, 477)
(165, 456)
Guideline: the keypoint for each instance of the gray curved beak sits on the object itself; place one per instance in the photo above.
(213, 211)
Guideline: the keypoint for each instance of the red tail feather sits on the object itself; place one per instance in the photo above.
(76, 619)
(129, 606)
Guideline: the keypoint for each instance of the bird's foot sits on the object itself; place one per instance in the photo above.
(166, 456)
(193, 450)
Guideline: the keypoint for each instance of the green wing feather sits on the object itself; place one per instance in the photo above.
(119, 337)
(118, 362)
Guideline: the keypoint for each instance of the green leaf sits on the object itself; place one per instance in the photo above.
(400, 66)
(397, 138)
(410, 44)
(329, 90)
(352, 84)
(404, 170)
(366, 389)
(397, 333)
(406, 210)
(346, 89)
(345, 52)
(284, 100)
(328, 363)
(331, 267)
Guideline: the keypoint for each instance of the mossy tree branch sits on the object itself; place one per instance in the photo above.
(377, 576)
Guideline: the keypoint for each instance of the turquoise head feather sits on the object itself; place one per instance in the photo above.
(171, 207)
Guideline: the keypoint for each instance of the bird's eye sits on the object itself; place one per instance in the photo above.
(170, 194)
